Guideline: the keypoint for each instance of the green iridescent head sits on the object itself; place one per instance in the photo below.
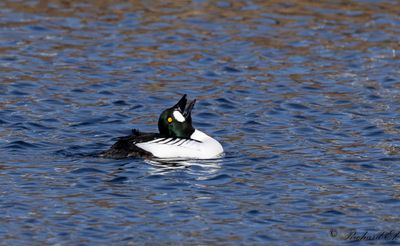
(176, 122)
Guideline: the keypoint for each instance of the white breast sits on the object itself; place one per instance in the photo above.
(199, 146)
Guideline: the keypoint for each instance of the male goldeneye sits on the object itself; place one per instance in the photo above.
(177, 138)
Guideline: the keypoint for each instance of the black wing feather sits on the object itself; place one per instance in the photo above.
(125, 146)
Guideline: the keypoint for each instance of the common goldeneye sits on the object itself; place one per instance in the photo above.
(177, 138)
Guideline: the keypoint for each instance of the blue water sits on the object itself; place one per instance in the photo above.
(304, 97)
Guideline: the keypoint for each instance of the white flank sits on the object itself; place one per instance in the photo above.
(178, 116)
(205, 147)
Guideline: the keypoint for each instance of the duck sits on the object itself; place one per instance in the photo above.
(176, 139)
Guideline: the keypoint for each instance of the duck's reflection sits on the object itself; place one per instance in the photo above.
(196, 167)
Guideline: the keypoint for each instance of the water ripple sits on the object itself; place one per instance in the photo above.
(303, 96)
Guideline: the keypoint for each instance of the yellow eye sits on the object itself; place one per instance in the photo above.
(169, 119)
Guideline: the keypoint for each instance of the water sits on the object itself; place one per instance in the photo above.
(303, 96)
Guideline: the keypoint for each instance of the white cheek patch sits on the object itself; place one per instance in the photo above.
(178, 116)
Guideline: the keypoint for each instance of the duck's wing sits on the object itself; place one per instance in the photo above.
(126, 146)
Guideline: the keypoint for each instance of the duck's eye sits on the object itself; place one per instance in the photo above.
(169, 119)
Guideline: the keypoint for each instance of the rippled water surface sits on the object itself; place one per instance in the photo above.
(304, 97)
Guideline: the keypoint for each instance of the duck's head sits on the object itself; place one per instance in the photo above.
(176, 122)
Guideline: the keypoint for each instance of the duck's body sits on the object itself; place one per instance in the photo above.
(177, 139)
(198, 146)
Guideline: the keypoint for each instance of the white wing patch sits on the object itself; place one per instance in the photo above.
(175, 141)
(178, 116)
(199, 146)
(155, 140)
(164, 141)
